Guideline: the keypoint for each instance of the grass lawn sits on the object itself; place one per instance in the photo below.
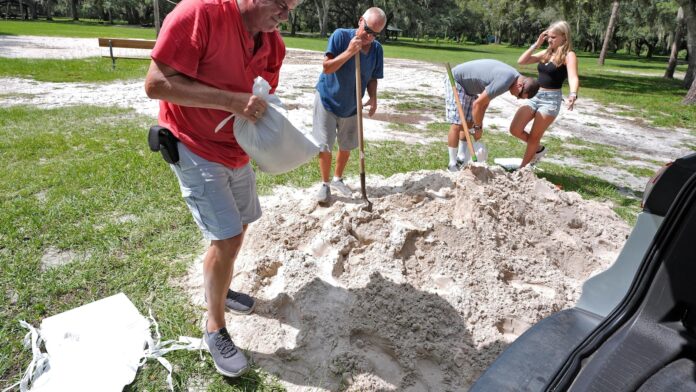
(68, 28)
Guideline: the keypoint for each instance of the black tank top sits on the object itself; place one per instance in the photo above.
(550, 76)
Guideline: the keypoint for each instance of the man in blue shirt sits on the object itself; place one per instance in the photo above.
(335, 107)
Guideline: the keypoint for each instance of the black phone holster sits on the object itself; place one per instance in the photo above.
(163, 140)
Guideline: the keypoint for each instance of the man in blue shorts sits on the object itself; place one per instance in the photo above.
(203, 68)
(335, 107)
(478, 82)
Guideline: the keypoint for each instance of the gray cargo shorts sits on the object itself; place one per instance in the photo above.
(327, 127)
(222, 200)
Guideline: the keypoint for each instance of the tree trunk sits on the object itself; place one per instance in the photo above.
(690, 98)
(293, 22)
(49, 9)
(32, 7)
(610, 31)
(73, 9)
(156, 16)
(323, 15)
(689, 7)
(676, 38)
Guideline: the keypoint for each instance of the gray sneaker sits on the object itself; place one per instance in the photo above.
(229, 361)
(341, 187)
(538, 155)
(324, 194)
(238, 302)
(453, 168)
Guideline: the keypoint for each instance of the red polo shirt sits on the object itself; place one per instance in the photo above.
(206, 40)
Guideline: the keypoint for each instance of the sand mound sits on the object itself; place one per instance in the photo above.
(423, 292)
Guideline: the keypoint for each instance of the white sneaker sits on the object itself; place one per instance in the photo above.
(537, 157)
(341, 187)
(324, 194)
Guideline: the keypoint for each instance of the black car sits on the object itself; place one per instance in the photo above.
(634, 327)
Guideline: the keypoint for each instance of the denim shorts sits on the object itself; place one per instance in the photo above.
(451, 111)
(546, 102)
(220, 199)
(327, 127)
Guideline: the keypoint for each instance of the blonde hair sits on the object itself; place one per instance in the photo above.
(558, 56)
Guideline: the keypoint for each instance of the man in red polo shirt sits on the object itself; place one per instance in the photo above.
(203, 66)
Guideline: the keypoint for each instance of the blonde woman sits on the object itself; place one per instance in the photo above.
(556, 64)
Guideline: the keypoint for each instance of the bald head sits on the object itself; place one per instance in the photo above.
(376, 18)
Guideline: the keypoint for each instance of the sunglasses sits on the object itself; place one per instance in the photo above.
(368, 30)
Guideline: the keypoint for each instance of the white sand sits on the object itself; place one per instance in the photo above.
(422, 293)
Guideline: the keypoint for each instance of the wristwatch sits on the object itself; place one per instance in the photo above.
(477, 127)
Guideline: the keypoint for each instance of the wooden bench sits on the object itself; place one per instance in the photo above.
(112, 43)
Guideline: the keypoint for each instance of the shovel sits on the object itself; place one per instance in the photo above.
(461, 112)
(358, 100)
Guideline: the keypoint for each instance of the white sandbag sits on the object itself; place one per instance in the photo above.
(273, 142)
(480, 150)
(95, 347)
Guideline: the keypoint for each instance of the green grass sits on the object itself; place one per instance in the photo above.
(68, 28)
(88, 70)
(408, 128)
(640, 171)
(591, 187)
(65, 187)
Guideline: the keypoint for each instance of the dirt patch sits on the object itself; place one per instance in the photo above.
(54, 257)
(422, 293)
(400, 118)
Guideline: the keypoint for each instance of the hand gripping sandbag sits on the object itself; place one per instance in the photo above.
(273, 142)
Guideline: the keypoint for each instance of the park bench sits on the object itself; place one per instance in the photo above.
(112, 43)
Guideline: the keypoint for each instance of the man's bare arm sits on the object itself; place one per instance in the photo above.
(165, 83)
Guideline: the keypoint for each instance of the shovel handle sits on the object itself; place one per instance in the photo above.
(358, 103)
(361, 144)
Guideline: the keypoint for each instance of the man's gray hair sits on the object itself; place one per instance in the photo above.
(375, 11)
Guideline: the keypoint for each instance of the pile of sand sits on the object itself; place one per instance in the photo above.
(420, 294)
